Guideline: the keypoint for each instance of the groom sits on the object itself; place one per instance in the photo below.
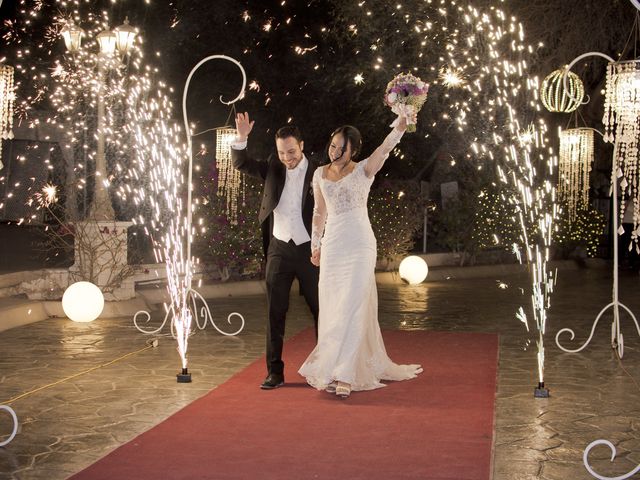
(285, 216)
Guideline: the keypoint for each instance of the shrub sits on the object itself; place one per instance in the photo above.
(396, 211)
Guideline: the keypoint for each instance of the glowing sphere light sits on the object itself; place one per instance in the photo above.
(555, 98)
(413, 269)
(82, 302)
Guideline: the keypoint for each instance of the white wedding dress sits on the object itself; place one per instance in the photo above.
(350, 347)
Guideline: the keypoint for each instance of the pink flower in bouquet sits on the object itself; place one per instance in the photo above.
(405, 95)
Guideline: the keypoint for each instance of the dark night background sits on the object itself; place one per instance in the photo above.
(304, 66)
(316, 90)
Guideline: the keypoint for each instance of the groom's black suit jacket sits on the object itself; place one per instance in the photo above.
(274, 173)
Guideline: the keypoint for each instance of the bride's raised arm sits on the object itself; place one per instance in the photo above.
(378, 157)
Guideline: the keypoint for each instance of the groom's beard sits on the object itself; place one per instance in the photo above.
(293, 163)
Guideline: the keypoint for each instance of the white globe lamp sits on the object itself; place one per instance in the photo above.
(413, 269)
(82, 302)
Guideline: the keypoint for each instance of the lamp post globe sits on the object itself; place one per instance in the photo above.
(72, 35)
(125, 36)
(107, 42)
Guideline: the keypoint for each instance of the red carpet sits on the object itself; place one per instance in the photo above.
(438, 426)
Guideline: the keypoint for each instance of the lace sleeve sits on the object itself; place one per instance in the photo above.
(319, 213)
(377, 158)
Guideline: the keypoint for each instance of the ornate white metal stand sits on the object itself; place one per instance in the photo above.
(15, 424)
(617, 339)
(201, 315)
(193, 295)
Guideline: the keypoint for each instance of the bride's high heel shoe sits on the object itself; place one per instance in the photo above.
(331, 388)
(343, 389)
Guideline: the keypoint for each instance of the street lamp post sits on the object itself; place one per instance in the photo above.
(100, 241)
(120, 40)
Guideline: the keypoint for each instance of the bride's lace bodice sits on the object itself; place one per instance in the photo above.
(347, 194)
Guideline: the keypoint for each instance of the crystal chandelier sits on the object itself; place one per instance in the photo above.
(556, 98)
(622, 127)
(7, 97)
(230, 182)
(576, 159)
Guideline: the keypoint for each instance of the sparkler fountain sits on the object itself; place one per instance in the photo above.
(183, 323)
(184, 307)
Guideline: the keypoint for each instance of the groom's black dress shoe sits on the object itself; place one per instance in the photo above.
(272, 381)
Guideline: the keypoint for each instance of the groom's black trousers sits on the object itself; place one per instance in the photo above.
(286, 260)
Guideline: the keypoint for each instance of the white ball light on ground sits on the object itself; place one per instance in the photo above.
(82, 302)
(413, 269)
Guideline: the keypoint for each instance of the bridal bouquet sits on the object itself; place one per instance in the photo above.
(405, 95)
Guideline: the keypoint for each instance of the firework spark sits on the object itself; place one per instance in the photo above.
(451, 78)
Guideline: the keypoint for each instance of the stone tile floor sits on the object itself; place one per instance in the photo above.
(70, 425)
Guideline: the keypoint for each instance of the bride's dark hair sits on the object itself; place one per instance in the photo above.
(351, 136)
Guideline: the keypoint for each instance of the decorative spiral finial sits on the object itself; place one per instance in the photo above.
(585, 460)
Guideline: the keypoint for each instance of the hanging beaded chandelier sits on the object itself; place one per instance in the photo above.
(576, 159)
(622, 127)
(7, 97)
(230, 182)
(555, 98)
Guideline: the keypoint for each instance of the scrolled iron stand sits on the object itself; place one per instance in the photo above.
(201, 315)
(617, 339)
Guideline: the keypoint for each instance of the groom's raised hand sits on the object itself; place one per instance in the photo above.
(244, 126)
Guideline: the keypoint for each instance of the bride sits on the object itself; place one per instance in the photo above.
(350, 353)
